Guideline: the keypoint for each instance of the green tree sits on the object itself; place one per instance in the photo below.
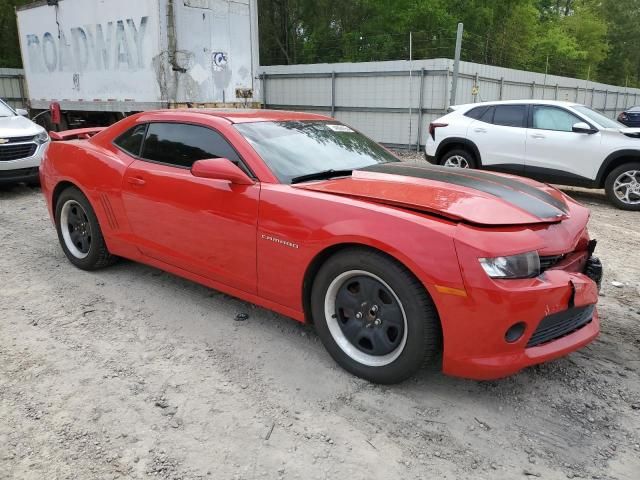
(10, 51)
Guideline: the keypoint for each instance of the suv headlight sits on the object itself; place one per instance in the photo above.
(41, 138)
(525, 265)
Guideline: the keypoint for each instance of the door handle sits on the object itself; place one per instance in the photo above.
(537, 135)
(480, 130)
(136, 181)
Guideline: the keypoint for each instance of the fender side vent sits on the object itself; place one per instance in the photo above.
(108, 210)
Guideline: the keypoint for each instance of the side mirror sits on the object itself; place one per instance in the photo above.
(220, 169)
(583, 127)
(22, 112)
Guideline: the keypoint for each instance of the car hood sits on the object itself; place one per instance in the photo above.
(17, 126)
(469, 196)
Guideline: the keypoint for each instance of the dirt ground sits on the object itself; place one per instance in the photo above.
(130, 372)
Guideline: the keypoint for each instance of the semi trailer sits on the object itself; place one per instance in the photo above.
(91, 62)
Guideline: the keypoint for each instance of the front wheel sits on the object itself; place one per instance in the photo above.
(374, 317)
(623, 186)
(79, 232)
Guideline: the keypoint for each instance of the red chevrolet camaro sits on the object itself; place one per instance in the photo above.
(395, 263)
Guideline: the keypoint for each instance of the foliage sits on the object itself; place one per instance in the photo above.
(592, 39)
(10, 51)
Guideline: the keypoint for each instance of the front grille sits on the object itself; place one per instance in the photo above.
(561, 324)
(19, 139)
(18, 173)
(550, 261)
(16, 152)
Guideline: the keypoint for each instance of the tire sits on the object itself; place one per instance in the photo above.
(385, 343)
(615, 189)
(75, 217)
(458, 158)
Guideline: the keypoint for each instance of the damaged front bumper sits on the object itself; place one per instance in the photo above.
(503, 326)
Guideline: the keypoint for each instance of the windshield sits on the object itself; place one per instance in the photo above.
(5, 110)
(294, 149)
(597, 117)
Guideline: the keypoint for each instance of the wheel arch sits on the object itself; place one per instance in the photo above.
(321, 257)
(451, 143)
(613, 161)
(58, 189)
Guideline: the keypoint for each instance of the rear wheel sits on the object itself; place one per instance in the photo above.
(374, 317)
(79, 232)
(623, 186)
(458, 158)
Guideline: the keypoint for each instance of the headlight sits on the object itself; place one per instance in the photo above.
(525, 265)
(41, 138)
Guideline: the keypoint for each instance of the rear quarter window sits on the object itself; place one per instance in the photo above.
(131, 140)
(476, 113)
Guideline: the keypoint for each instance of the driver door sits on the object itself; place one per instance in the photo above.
(555, 153)
(204, 226)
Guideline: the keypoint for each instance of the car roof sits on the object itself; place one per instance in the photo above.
(518, 102)
(246, 115)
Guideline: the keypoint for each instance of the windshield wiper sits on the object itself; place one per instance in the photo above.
(326, 174)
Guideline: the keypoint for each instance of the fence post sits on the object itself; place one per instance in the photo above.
(533, 90)
(333, 94)
(476, 87)
(606, 100)
(23, 99)
(593, 94)
(263, 78)
(615, 110)
(446, 97)
(557, 92)
(577, 93)
(456, 64)
(501, 88)
(420, 109)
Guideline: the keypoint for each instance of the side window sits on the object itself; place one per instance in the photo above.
(181, 144)
(552, 118)
(510, 115)
(487, 116)
(131, 140)
(476, 113)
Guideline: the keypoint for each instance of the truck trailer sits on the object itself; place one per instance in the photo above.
(96, 61)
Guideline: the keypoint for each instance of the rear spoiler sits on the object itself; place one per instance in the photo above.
(77, 134)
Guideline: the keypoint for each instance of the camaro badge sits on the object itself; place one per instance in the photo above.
(280, 241)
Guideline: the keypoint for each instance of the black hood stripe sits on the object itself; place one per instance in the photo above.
(530, 199)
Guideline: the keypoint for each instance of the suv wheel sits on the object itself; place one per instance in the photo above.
(458, 159)
(623, 186)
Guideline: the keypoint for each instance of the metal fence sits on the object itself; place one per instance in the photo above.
(393, 101)
(12, 87)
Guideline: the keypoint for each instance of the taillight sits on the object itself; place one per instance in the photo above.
(433, 126)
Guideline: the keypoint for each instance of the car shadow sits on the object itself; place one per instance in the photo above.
(12, 190)
(587, 196)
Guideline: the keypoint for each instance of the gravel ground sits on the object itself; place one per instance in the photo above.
(130, 372)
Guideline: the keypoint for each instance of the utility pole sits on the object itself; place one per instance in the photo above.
(410, 85)
(546, 71)
(456, 64)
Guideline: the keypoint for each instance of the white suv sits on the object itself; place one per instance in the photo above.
(22, 144)
(556, 142)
